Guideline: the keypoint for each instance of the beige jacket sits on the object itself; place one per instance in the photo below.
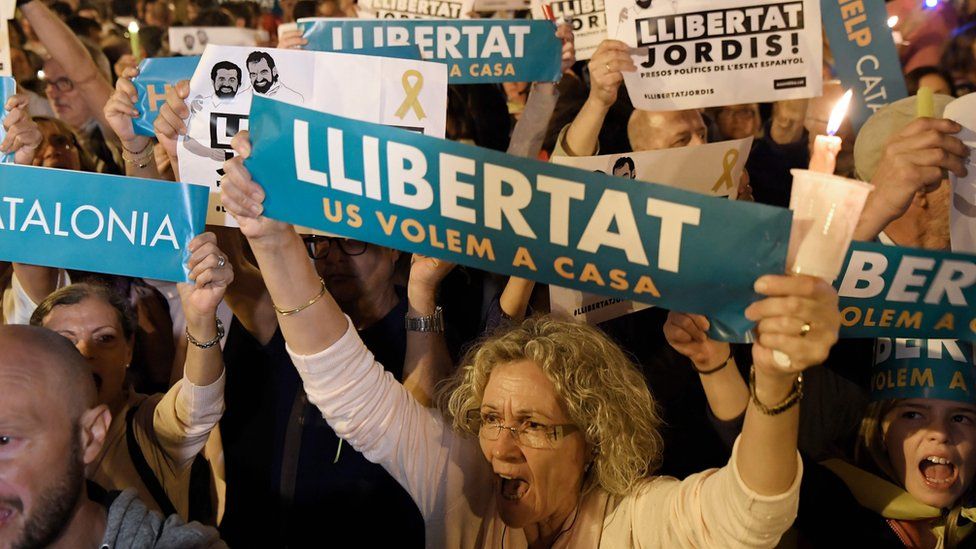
(171, 429)
(450, 480)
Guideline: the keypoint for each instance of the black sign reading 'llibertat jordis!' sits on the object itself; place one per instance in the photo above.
(702, 53)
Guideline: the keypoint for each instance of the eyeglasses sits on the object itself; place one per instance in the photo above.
(530, 434)
(318, 247)
(63, 84)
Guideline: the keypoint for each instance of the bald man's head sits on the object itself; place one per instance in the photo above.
(51, 429)
(52, 361)
(656, 130)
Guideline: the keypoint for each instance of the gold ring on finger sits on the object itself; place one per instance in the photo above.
(805, 329)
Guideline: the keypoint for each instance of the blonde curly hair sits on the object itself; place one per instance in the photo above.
(604, 392)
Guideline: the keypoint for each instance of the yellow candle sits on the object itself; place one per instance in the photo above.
(134, 40)
(924, 103)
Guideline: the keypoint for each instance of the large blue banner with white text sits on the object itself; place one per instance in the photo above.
(504, 214)
(477, 51)
(864, 54)
(890, 291)
(99, 223)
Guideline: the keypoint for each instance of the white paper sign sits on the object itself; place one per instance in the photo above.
(8, 9)
(193, 40)
(713, 169)
(374, 89)
(588, 18)
(415, 9)
(706, 53)
(5, 68)
(962, 217)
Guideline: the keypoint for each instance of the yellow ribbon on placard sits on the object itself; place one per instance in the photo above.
(728, 162)
(412, 101)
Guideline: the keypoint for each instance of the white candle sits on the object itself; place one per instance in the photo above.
(823, 157)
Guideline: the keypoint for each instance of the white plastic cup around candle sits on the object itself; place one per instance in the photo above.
(825, 212)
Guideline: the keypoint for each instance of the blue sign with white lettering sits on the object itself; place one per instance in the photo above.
(890, 291)
(924, 368)
(864, 55)
(477, 51)
(99, 223)
(505, 214)
(156, 75)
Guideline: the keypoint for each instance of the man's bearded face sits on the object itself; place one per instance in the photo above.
(226, 83)
(262, 76)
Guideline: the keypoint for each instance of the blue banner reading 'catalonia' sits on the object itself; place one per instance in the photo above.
(99, 223)
(890, 291)
(477, 51)
(504, 214)
(864, 54)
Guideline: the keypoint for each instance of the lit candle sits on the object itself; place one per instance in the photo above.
(134, 40)
(823, 158)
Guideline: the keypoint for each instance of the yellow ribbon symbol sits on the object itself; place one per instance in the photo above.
(412, 100)
(728, 162)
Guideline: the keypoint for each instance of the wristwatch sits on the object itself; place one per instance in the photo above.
(431, 323)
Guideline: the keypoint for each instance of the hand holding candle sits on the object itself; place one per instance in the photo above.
(823, 157)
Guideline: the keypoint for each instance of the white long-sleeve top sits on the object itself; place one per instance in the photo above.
(451, 481)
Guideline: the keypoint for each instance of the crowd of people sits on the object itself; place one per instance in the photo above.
(308, 390)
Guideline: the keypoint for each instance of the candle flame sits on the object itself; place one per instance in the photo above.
(133, 27)
(892, 21)
(840, 111)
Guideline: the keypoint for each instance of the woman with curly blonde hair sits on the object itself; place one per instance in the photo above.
(547, 435)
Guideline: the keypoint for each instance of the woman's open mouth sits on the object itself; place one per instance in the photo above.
(939, 472)
(512, 488)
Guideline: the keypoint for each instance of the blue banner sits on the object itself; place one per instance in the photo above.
(864, 54)
(99, 223)
(316, 32)
(477, 51)
(890, 291)
(505, 214)
(7, 88)
(156, 75)
(924, 368)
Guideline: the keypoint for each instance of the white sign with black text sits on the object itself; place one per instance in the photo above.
(396, 92)
(707, 53)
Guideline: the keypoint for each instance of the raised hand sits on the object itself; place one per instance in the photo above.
(611, 58)
(210, 272)
(121, 109)
(686, 333)
(243, 198)
(23, 136)
(799, 318)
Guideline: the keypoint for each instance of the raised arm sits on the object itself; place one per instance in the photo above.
(65, 48)
(119, 112)
(580, 138)
(22, 141)
(427, 359)
(359, 399)
(725, 390)
(192, 407)
(800, 319)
